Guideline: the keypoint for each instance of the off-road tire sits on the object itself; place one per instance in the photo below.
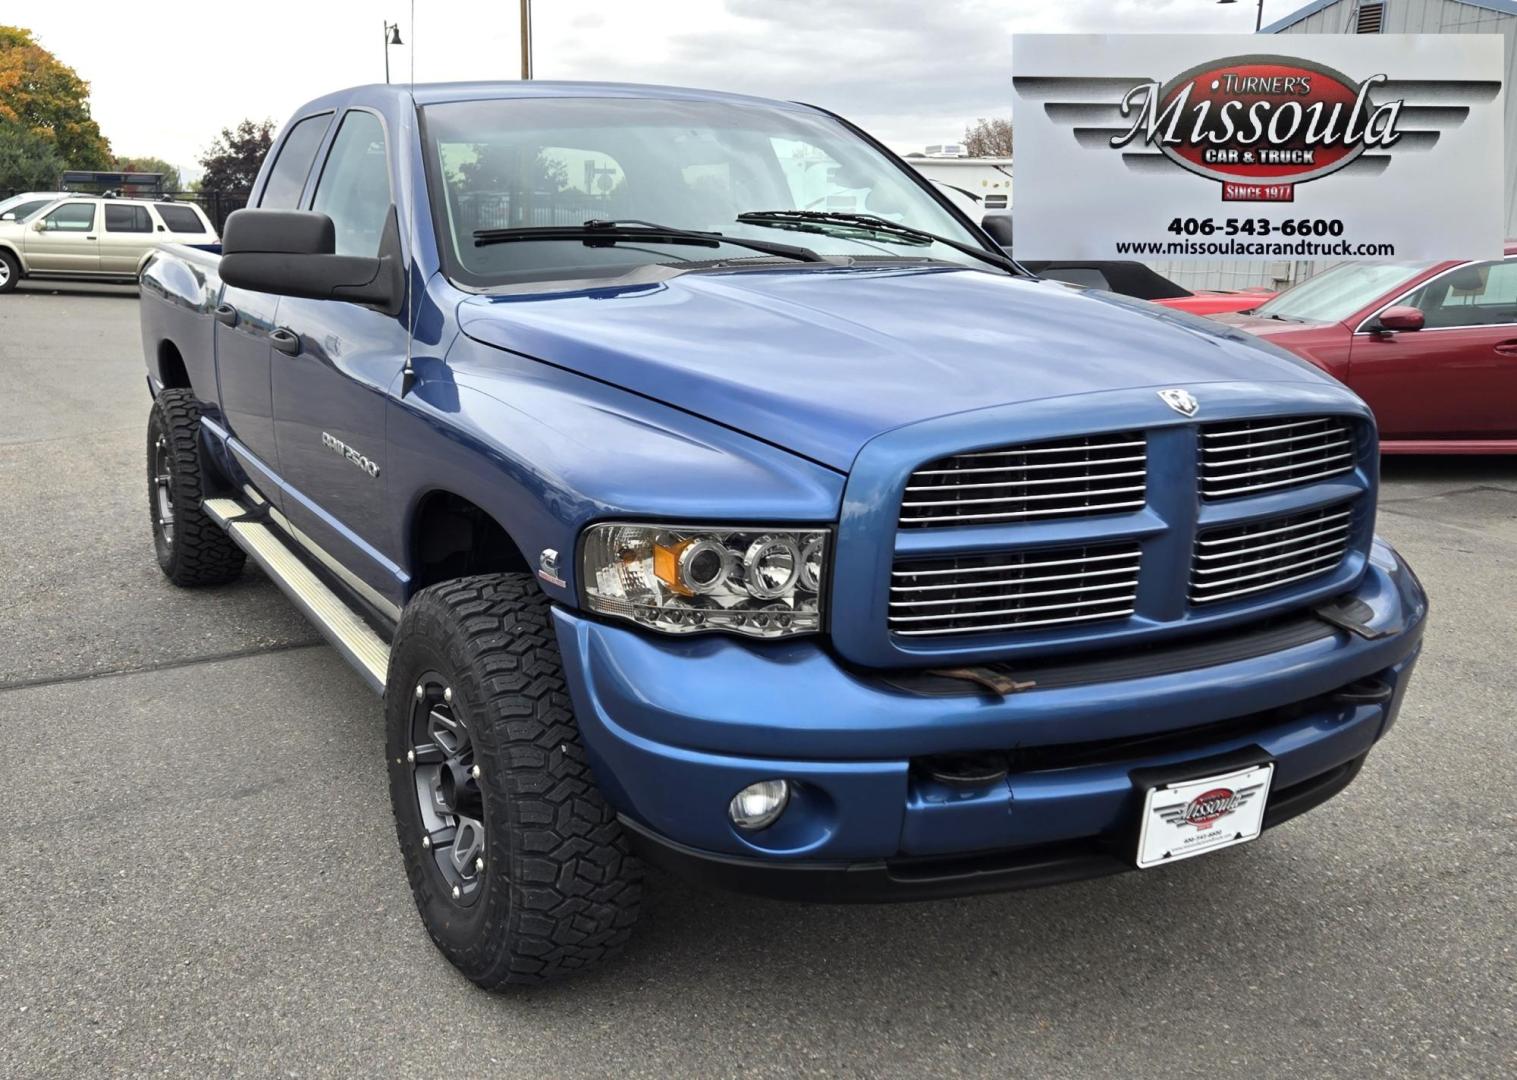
(560, 889)
(10, 275)
(197, 551)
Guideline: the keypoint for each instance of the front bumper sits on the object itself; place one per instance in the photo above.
(675, 727)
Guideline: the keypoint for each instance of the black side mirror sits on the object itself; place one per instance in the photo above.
(291, 253)
(999, 228)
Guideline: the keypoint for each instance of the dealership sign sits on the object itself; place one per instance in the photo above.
(1263, 147)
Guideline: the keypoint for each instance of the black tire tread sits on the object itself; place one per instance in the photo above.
(202, 553)
(15, 274)
(573, 883)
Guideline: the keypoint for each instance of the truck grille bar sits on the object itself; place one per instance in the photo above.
(1013, 590)
(1240, 560)
(1079, 477)
(1243, 457)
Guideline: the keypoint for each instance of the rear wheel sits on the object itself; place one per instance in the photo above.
(10, 272)
(519, 868)
(192, 549)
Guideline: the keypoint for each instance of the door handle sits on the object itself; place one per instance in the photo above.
(226, 314)
(1507, 348)
(286, 341)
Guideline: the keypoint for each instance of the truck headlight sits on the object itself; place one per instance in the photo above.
(755, 581)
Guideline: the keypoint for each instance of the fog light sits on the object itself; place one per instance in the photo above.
(758, 805)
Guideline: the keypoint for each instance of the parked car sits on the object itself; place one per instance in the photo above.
(22, 206)
(1129, 278)
(87, 238)
(806, 552)
(1431, 346)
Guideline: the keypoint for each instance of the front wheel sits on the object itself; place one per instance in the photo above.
(518, 866)
(10, 272)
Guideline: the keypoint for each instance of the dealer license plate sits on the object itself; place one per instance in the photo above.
(1194, 817)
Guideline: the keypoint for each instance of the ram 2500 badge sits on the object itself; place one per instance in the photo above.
(699, 487)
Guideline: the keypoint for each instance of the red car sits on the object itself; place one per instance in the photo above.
(1432, 347)
(1216, 302)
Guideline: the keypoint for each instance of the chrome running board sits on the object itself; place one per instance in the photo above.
(338, 623)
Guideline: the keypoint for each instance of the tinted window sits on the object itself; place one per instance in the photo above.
(71, 217)
(354, 189)
(288, 177)
(126, 218)
(180, 219)
(27, 209)
(1480, 295)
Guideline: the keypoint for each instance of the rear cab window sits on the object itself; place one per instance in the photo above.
(297, 153)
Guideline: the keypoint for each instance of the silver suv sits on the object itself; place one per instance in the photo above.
(95, 238)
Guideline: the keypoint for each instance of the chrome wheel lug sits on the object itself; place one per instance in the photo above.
(457, 892)
(447, 695)
(474, 772)
(411, 756)
(479, 865)
(426, 843)
(421, 691)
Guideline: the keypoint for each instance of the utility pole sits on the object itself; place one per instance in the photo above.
(526, 39)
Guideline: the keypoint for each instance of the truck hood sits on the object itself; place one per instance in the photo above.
(821, 361)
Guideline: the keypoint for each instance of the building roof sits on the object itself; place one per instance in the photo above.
(1503, 7)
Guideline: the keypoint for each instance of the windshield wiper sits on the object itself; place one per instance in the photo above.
(631, 230)
(816, 220)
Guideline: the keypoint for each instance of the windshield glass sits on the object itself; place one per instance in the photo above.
(1335, 294)
(684, 164)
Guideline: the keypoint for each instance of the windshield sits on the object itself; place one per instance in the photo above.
(683, 164)
(1335, 294)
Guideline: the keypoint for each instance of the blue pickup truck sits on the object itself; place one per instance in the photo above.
(700, 488)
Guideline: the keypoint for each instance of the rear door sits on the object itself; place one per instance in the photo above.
(68, 241)
(330, 390)
(1456, 378)
(128, 236)
(244, 320)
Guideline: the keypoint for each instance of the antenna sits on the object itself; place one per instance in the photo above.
(408, 375)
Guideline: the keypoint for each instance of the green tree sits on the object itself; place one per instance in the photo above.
(49, 99)
(171, 178)
(988, 138)
(232, 162)
(28, 161)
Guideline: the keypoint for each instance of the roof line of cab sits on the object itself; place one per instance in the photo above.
(438, 93)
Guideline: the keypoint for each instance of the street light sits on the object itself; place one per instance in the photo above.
(526, 39)
(392, 37)
(1258, 19)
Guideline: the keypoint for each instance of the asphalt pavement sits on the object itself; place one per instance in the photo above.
(198, 872)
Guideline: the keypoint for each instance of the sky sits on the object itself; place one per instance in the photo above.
(166, 80)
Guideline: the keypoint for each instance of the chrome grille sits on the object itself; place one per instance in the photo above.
(1080, 477)
(973, 594)
(1241, 457)
(1240, 560)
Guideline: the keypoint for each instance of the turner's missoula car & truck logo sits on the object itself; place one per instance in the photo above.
(1258, 124)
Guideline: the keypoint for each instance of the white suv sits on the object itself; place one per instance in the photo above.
(86, 237)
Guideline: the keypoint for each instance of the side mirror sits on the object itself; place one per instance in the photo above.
(9, 215)
(291, 253)
(999, 228)
(1400, 320)
(40, 225)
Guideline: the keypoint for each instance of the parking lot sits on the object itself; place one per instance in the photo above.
(198, 873)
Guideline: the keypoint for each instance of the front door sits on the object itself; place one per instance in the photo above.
(1456, 378)
(65, 240)
(331, 387)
